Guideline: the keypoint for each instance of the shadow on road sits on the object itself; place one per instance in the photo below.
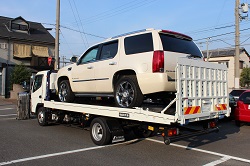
(226, 126)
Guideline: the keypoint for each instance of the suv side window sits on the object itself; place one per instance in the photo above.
(138, 44)
(37, 82)
(109, 50)
(89, 56)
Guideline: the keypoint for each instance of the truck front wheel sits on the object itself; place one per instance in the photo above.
(42, 116)
(99, 131)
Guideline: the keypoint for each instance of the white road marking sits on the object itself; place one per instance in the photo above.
(61, 153)
(204, 151)
(2, 109)
(216, 162)
(8, 115)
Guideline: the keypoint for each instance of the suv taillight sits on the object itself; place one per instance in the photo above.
(158, 61)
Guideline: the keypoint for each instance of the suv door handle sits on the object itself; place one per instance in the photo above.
(112, 63)
(90, 67)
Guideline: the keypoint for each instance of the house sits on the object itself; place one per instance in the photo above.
(226, 56)
(24, 42)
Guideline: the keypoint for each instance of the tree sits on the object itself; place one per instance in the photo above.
(245, 77)
(20, 74)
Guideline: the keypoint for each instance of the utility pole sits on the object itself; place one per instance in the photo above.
(57, 63)
(237, 45)
(208, 56)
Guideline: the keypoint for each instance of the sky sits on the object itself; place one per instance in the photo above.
(86, 22)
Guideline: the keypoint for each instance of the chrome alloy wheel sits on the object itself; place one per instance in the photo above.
(41, 117)
(63, 92)
(125, 94)
(97, 131)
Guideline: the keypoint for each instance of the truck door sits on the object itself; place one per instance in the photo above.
(37, 92)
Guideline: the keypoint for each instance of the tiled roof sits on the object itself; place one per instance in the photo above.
(223, 52)
(37, 32)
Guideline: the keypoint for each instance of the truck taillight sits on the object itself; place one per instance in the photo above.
(158, 61)
(173, 132)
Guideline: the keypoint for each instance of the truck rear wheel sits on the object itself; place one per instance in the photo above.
(42, 116)
(142, 133)
(99, 131)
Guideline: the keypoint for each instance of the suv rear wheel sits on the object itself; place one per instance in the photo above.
(64, 92)
(127, 92)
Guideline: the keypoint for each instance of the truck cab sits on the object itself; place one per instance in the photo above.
(43, 82)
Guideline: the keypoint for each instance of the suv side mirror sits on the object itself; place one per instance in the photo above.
(73, 59)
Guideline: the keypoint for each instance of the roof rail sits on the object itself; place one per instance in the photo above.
(129, 33)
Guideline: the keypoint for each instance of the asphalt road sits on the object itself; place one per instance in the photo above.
(24, 142)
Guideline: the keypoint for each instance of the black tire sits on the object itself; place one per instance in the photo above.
(99, 132)
(65, 93)
(127, 92)
(42, 116)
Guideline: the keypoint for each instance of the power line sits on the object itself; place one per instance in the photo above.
(222, 34)
(117, 11)
(77, 31)
(81, 23)
(66, 43)
(77, 23)
(83, 32)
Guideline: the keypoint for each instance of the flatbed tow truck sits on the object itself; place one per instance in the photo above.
(201, 95)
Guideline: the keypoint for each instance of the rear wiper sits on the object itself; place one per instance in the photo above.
(193, 56)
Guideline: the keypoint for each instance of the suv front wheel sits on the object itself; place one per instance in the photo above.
(127, 92)
(64, 92)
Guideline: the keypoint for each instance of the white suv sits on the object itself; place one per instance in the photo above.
(128, 67)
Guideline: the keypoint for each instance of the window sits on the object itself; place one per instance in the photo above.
(109, 50)
(174, 44)
(89, 56)
(224, 62)
(38, 82)
(19, 27)
(241, 64)
(245, 97)
(138, 44)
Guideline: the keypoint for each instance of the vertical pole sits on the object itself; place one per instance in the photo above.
(237, 45)
(57, 63)
(207, 50)
(63, 61)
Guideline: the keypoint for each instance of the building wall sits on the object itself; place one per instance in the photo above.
(6, 57)
(231, 68)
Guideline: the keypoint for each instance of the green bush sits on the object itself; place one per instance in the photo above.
(20, 74)
(245, 77)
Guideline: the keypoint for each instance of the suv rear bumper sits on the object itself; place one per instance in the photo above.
(155, 82)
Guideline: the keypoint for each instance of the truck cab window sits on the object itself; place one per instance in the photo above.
(37, 82)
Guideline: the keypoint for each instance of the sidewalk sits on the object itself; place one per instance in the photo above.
(4, 101)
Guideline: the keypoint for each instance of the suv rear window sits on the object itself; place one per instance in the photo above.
(237, 92)
(138, 44)
(180, 45)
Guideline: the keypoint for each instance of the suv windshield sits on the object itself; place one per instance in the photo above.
(175, 44)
